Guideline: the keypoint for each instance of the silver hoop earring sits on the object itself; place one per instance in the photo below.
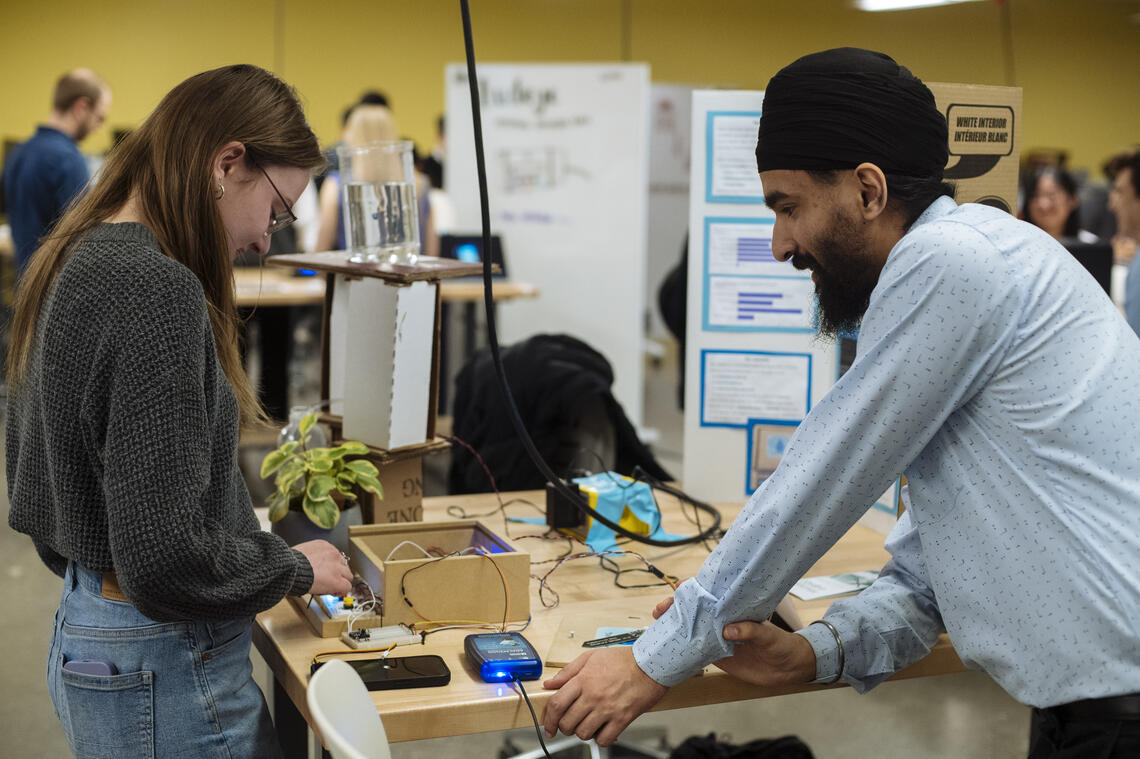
(221, 191)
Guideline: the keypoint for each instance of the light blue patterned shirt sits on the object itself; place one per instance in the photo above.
(994, 372)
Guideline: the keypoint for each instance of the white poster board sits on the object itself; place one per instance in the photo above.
(755, 364)
(567, 151)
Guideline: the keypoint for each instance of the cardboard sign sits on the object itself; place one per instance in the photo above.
(984, 139)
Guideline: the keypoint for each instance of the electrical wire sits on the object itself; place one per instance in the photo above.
(572, 495)
(533, 716)
(460, 513)
(544, 586)
(367, 606)
(479, 551)
(382, 651)
(408, 543)
(462, 624)
(612, 567)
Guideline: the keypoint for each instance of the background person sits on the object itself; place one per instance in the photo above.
(991, 373)
(1123, 171)
(365, 124)
(43, 175)
(1051, 203)
(126, 396)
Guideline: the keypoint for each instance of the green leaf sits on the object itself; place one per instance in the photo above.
(320, 464)
(273, 462)
(319, 487)
(370, 484)
(345, 483)
(275, 459)
(278, 506)
(323, 512)
(362, 467)
(353, 448)
(307, 424)
(289, 477)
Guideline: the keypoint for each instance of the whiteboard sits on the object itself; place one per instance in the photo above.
(567, 151)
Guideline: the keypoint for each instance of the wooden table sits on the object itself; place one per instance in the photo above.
(469, 705)
(269, 286)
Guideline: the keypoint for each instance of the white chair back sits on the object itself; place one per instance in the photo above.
(344, 714)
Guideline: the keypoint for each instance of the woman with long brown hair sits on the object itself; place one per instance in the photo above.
(126, 394)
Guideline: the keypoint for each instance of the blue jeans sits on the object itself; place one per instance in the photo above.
(183, 689)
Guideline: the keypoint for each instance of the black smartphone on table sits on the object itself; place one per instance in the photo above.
(401, 672)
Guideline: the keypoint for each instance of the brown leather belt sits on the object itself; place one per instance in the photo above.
(110, 588)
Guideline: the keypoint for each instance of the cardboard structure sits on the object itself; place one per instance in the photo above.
(380, 366)
(485, 584)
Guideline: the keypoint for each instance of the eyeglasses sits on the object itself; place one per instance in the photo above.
(277, 222)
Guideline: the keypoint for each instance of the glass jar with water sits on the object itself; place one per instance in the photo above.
(378, 194)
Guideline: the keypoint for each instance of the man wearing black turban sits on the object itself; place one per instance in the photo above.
(992, 372)
(860, 113)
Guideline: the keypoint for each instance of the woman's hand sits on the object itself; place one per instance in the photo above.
(330, 569)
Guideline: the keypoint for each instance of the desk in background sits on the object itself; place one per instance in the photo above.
(468, 705)
(271, 286)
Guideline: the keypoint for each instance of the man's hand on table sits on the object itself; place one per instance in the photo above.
(767, 655)
(599, 694)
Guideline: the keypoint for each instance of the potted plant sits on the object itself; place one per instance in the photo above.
(316, 484)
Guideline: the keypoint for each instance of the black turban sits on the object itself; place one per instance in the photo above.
(839, 108)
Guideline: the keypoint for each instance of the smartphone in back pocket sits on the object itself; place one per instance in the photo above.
(91, 667)
(401, 672)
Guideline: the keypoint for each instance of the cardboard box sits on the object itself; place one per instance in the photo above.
(400, 474)
(466, 587)
(984, 139)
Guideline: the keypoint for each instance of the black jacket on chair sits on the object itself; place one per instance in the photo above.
(556, 381)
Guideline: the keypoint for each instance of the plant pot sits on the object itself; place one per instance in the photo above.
(296, 528)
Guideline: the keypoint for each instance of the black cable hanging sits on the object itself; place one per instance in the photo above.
(573, 496)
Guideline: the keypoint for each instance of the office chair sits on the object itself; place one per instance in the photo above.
(344, 714)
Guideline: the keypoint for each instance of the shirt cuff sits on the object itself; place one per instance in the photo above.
(826, 652)
(303, 579)
(670, 654)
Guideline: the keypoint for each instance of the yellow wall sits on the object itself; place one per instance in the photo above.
(1077, 61)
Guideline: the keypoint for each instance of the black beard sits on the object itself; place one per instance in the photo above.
(843, 288)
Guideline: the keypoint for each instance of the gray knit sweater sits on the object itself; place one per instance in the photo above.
(122, 441)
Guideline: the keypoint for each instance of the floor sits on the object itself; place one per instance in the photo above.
(964, 715)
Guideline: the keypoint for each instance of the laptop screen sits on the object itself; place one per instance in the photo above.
(469, 248)
(1096, 257)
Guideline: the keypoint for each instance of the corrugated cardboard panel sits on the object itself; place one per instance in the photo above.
(984, 139)
(380, 359)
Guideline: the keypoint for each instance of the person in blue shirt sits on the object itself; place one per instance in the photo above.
(43, 175)
(992, 372)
